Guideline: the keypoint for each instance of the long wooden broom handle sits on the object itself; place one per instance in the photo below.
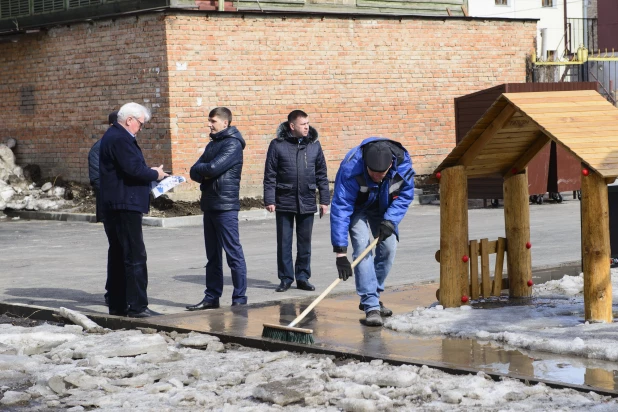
(332, 285)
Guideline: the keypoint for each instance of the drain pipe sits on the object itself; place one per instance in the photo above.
(221, 4)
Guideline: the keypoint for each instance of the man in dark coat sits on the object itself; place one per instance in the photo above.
(295, 168)
(93, 174)
(125, 181)
(93, 168)
(218, 171)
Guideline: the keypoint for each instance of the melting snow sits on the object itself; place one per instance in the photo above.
(50, 367)
(553, 322)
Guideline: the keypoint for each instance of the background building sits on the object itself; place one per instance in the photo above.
(552, 37)
(390, 73)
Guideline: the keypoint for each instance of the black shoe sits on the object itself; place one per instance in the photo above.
(238, 303)
(304, 285)
(146, 313)
(384, 311)
(373, 318)
(106, 299)
(283, 286)
(204, 304)
(117, 313)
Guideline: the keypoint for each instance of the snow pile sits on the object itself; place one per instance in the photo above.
(567, 286)
(17, 193)
(131, 370)
(551, 322)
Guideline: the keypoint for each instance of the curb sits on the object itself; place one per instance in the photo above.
(180, 221)
(58, 216)
(167, 222)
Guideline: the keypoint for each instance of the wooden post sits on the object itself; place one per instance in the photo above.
(453, 236)
(517, 228)
(500, 246)
(485, 268)
(596, 248)
(474, 269)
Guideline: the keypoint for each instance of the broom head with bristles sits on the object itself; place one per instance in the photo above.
(288, 334)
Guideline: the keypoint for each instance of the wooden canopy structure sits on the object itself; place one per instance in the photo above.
(515, 128)
(518, 125)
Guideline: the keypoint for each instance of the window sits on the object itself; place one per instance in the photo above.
(82, 3)
(14, 8)
(502, 2)
(44, 6)
(548, 3)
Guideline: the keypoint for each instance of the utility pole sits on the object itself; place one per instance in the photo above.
(566, 38)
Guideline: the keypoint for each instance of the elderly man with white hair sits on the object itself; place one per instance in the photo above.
(125, 182)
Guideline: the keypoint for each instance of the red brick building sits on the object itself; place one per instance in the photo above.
(356, 75)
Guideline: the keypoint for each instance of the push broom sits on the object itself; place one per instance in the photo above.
(290, 333)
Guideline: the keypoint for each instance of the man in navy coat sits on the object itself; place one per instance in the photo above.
(295, 169)
(125, 182)
(93, 174)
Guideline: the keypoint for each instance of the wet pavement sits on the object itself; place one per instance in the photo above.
(338, 328)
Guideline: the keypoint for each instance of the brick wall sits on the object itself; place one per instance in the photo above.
(58, 87)
(355, 76)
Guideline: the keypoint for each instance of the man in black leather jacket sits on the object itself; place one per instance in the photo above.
(218, 171)
(295, 168)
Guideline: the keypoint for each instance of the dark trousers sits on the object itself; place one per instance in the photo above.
(221, 233)
(98, 206)
(100, 218)
(285, 234)
(127, 275)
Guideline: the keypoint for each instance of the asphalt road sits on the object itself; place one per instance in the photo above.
(57, 264)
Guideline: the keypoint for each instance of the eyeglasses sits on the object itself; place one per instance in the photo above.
(141, 124)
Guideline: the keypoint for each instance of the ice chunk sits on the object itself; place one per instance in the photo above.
(11, 398)
(57, 384)
(7, 194)
(122, 343)
(453, 397)
(58, 191)
(198, 340)
(84, 381)
(358, 405)
(287, 391)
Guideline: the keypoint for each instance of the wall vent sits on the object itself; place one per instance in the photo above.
(14, 8)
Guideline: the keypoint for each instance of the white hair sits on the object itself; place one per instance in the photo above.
(133, 110)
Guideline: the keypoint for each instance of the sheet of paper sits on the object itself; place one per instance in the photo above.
(166, 184)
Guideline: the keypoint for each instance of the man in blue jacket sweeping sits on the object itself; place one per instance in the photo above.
(374, 188)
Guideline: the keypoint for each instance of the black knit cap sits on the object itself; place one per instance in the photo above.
(378, 156)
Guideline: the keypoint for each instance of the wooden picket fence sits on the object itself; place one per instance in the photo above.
(486, 286)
